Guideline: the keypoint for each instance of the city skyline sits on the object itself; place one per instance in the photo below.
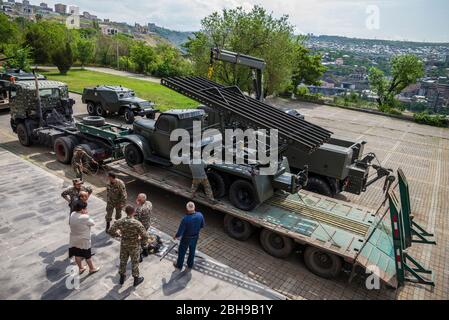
(413, 20)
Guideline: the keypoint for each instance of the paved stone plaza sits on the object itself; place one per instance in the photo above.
(34, 247)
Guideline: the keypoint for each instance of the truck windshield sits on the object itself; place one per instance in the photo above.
(49, 93)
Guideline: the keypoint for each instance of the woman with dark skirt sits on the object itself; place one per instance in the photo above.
(80, 243)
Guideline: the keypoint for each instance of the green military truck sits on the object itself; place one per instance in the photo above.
(150, 143)
(108, 100)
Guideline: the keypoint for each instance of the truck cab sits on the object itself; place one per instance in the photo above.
(55, 105)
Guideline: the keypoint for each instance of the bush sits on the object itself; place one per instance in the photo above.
(432, 120)
(394, 111)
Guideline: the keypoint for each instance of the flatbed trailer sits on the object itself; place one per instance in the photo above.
(325, 227)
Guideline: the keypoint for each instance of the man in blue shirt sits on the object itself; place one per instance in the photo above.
(188, 233)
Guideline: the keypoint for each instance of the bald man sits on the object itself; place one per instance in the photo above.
(143, 214)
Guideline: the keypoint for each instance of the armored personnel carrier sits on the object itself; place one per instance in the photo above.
(108, 100)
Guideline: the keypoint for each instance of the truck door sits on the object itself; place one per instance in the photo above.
(161, 142)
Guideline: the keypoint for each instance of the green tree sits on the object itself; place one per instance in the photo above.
(45, 38)
(169, 62)
(143, 56)
(255, 33)
(63, 58)
(9, 32)
(405, 70)
(21, 57)
(85, 51)
(307, 68)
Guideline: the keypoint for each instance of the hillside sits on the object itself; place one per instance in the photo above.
(176, 37)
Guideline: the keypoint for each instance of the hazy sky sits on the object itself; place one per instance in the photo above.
(420, 20)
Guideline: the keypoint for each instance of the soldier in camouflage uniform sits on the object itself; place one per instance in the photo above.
(143, 214)
(72, 194)
(116, 198)
(80, 158)
(132, 234)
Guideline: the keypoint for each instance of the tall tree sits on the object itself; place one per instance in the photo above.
(62, 58)
(85, 51)
(9, 32)
(143, 56)
(405, 70)
(307, 67)
(253, 32)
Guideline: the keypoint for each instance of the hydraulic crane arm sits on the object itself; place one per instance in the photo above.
(255, 64)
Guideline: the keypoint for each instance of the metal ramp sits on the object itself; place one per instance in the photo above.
(242, 111)
(389, 238)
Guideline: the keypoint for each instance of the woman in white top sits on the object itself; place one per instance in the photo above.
(80, 244)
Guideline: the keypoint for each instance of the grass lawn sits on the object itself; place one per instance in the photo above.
(164, 98)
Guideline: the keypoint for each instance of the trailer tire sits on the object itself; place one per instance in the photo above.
(322, 263)
(94, 121)
(237, 228)
(91, 109)
(133, 155)
(318, 185)
(217, 183)
(63, 148)
(243, 195)
(276, 245)
(129, 116)
(23, 135)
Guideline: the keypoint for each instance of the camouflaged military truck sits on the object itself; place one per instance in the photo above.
(29, 112)
(105, 100)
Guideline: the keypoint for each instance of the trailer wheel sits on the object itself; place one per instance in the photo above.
(91, 109)
(217, 183)
(322, 263)
(63, 148)
(129, 116)
(23, 135)
(276, 245)
(94, 121)
(237, 228)
(320, 186)
(133, 155)
(243, 195)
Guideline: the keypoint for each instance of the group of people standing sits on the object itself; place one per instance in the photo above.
(132, 229)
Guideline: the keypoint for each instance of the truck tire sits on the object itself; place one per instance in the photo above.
(129, 116)
(91, 109)
(63, 148)
(320, 186)
(276, 245)
(133, 155)
(237, 228)
(23, 135)
(217, 183)
(322, 263)
(94, 121)
(243, 195)
(99, 111)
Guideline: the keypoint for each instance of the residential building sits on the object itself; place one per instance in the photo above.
(74, 10)
(60, 8)
(108, 30)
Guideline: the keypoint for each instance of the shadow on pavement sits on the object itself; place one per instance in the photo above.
(178, 281)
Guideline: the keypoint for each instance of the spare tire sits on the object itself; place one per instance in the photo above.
(243, 195)
(94, 121)
(63, 148)
(237, 228)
